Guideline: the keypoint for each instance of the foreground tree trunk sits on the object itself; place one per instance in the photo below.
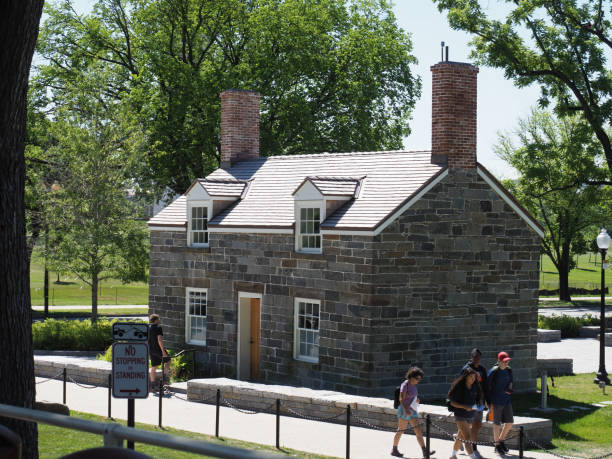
(18, 31)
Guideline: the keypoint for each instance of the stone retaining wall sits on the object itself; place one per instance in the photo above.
(83, 371)
(556, 367)
(331, 406)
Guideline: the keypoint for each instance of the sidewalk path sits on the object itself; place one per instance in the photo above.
(583, 351)
(311, 436)
(576, 311)
(88, 308)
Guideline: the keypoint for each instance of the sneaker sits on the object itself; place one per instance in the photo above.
(504, 447)
(396, 453)
(455, 439)
(499, 450)
(431, 453)
(476, 455)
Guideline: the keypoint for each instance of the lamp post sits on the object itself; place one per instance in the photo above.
(603, 242)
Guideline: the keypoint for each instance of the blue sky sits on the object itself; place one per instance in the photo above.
(500, 103)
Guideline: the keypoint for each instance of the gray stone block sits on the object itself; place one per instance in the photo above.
(548, 336)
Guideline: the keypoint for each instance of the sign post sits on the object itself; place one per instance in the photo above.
(130, 365)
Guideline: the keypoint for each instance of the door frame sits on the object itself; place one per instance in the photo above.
(245, 295)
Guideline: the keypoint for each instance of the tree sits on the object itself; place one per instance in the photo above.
(18, 32)
(551, 155)
(560, 45)
(334, 74)
(99, 230)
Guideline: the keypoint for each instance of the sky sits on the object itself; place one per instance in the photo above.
(500, 103)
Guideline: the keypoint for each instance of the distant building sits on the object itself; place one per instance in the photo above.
(338, 271)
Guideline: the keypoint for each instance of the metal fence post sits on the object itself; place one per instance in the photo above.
(348, 431)
(544, 389)
(161, 395)
(217, 414)
(110, 391)
(277, 423)
(427, 436)
(521, 441)
(64, 389)
(193, 361)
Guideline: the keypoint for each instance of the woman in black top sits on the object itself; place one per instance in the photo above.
(463, 395)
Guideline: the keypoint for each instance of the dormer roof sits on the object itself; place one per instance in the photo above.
(224, 187)
(334, 186)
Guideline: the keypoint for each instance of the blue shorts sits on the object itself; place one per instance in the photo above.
(406, 417)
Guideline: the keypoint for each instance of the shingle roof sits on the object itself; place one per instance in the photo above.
(174, 214)
(390, 178)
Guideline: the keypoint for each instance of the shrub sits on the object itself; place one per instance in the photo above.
(181, 368)
(72, 335)
(569, 326)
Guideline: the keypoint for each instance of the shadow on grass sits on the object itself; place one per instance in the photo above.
(64, 283)
(523, 405)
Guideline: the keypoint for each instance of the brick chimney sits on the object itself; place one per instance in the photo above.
(239, 126)
(453, 130)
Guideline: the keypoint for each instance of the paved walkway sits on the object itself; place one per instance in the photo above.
(584, 352)
(303, 435)
(575, 311)
(100, 306)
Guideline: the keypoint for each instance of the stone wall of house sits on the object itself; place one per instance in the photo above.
(268, 264)
(459, 269)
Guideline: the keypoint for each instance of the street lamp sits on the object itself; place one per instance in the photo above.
(603, 242)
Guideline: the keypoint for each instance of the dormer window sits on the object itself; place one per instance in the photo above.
(206, 199)
(199, 225)
(317, 199)
(310, 229)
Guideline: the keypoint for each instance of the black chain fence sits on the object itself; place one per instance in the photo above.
(278, 408)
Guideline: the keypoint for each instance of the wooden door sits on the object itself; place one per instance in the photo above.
(255, 336)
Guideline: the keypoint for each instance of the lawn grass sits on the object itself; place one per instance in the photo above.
(587, 273)
(55, 442)
(579, 433)
(71, 291)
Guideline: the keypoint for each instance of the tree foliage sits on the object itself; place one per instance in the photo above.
(560, 45)
(334, 74)
(98, 230)
(550, 155)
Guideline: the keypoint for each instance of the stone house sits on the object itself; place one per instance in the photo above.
(338, 271)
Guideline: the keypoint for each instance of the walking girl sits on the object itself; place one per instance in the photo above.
(407, 411)
(466, 397)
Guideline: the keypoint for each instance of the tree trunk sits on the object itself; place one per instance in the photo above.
(18, 31)
(564, 264)
(94, 298)
(46, 284)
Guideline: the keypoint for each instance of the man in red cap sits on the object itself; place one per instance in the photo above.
(499, 381)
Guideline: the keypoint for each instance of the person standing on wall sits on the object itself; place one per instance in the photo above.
(157, 351)
(465, 396)
(481, 379)
(407, 411)
(500, 387)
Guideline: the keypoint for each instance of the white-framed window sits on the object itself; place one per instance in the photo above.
(306, 338)
(198, 224)
(309, 229)
(195, 315)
